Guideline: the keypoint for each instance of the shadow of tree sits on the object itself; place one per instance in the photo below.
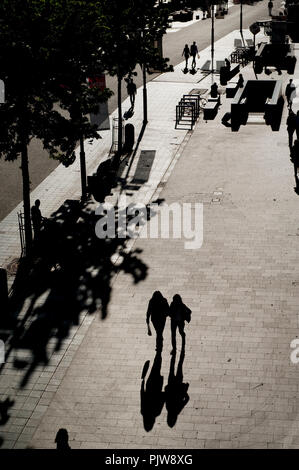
(72, 269)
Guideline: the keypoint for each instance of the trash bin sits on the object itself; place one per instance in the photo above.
(223, 75)
(129, 137)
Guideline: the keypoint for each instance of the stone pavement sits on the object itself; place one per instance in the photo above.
(241, 287)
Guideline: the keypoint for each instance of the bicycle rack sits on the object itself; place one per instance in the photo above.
(241, 56)
(22, 232)
(187, 111)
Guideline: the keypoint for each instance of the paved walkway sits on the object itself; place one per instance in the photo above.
(241, 286)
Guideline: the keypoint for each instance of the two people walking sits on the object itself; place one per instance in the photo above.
(190, 52)
(159, 309)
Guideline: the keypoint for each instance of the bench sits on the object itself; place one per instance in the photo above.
(258, 96)
(281, 56)
(210, 109)
(231, 90)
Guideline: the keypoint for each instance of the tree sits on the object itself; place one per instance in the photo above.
(39, 51)
(83, 23)
(131, 28)
(152, 23)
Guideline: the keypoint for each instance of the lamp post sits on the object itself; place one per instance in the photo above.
(83, 169)
(212, 42)
(241, 21)
(143, 67)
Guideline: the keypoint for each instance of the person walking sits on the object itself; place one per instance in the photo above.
(36, 218)
(289, 91)
(291, 126)
(297, 125)
(179, 313)
(270, 6)
(186, 54)
(193, 52)
(295, 160)
(240, 82)
(157, 312)
(132, 90)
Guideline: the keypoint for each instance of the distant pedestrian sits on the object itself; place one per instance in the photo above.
(297, 124)
(158, 310)
(295, 160)
(270, 6)
(4, 407)
(186, 54)
(227, 64)
(290, 88)
(36, 218)
(62, 440)
(179, 313)
(214, 90)
(194, 53)
(132, 90)
(291, 126)
(240, 82)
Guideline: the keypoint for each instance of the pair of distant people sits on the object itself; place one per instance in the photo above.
(159, 309)
(190, 52)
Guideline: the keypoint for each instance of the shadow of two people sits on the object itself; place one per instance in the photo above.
(153, 397)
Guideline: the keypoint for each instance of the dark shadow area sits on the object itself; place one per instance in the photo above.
(176, 396)
(62, 440)
(151, 393)
(73, 268)
(124, 180)
(144, 166)
(4, 407)
(294, 157)
(130, 113)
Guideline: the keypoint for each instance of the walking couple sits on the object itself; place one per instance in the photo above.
(159, 309)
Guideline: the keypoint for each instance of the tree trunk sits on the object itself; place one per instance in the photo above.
(83, 169)
(144, 95)
(120, 129)
(26, 197)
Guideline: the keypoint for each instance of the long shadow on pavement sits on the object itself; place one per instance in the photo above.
(73, 269)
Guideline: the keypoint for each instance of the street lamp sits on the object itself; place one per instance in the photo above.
(143, 67)
(241, 22)
(212, 42)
